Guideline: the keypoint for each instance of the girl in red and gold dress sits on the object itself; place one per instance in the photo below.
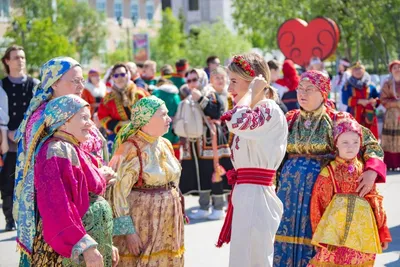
(348, 230)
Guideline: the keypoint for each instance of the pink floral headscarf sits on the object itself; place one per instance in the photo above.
(319, 80)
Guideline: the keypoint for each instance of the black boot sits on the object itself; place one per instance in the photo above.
(10, 225)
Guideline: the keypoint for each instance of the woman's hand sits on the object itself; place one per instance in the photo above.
(196, 95)
(134, 244)
(115, 256)
(108, 174)
(93, 257)
(257, 87)
(363, 102)
(367, 181)
(385, 245)
(4, 147)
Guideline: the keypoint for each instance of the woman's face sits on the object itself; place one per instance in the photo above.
(120, 78)
(348, 145)
(238, 87)
(95, 79)
(192, 81)
(79, 125)
(309, 96)
(71, 82)
(159, 123)
(218, 82)
(396, 72)
(358, 73)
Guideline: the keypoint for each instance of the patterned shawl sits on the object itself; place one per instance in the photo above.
(142, 111)
(24, 209)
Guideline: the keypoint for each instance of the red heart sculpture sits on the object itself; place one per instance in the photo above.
(300, 41)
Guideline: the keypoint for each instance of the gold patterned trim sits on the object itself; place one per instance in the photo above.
(162, 253)
(329, 264)
(293, 240)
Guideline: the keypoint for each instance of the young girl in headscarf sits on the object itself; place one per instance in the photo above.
(348, 230)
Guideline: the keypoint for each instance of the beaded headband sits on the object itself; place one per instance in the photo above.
(244, 65)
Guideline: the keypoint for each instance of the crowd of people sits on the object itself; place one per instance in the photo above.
(94, 172)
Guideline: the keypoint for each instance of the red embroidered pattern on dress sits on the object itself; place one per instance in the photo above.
(252, 118)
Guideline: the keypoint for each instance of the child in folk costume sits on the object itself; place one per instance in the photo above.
(258, 148)
(347, 229)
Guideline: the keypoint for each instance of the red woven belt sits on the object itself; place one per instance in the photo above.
(242, 176)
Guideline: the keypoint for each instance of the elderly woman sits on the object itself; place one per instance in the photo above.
(114, 109)
(310, 147)
(148, 224)
(201, 169)
(74, 225)
(390, 97)
(59, 76)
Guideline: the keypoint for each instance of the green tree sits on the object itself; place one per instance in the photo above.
(73, 29)
(370, 30)
(215, 39)
(169, 45)
(42, 42)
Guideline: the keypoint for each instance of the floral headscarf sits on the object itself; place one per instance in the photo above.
(142, 111)
(50, 72)
(344, 126)
(319, 80)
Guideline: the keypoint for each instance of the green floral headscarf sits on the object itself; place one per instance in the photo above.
(142, 111)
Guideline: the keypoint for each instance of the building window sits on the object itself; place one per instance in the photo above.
(166, 4)
(101, 5)
(118, 8)
(135, 14)
(193, 5)
(4, 8)
(149, 9)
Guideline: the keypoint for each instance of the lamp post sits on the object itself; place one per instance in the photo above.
(128, 34)
(16, 26)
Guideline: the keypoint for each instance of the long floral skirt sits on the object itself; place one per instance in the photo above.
(98, 222)
(158, 220)
(293, 239)
(391, 138)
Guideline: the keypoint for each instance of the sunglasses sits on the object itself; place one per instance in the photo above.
(192, 80)
(116, 75)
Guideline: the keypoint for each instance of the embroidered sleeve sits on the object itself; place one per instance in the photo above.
(123, 226)
(376, 202)
(387, 98)
(126, 164)
(251, 123)
(321, 196)
(85, 243)
(106, 120)
(372, 154)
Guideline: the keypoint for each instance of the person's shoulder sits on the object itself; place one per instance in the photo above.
(61, 149)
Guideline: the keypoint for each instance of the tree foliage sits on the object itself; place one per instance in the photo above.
(74, 29)
(370, 30)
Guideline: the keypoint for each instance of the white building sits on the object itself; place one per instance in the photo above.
(197, 12)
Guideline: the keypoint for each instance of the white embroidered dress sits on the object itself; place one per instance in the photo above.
(260, 142)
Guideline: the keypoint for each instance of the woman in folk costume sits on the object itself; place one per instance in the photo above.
(390, 97)
(94, 91)
(291, 81)
(169, 93)
(348, 230)
(59, 76)
(114, 110)
(147, 205)
(202, 172)
(74, 223)
(258, 148)
(362, 98)
(310, 147)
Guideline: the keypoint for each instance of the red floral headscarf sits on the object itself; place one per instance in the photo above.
(344, 126)
(319, 80)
